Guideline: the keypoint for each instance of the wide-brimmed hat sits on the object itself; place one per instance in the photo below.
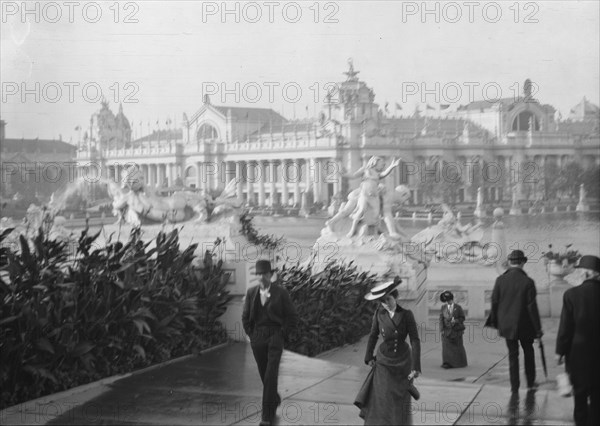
(589, 262)
(383, 289)
(445, 296)
(262, 267)
(517, 256)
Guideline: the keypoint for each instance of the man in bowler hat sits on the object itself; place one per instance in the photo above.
(268, 311)
(578, 341)
(515, 314)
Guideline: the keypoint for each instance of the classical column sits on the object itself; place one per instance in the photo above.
(199, 183)
(219, 173)
(284, 181)
(316, 166)
(231, 172)
(145, 173)
(153, 174)
(159, 176)
(260, 171)
(250, 176)
(169, 167)
(337, 177)
(308, 174)
(297, 178)
(273, 176)
(542, 175)
(238, 179)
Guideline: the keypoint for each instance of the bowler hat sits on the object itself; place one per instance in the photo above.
(384, 289)
(517, 256)
(446, 296)
(262, 267)
(589, 262)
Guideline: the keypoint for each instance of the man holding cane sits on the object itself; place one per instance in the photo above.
(578, 341)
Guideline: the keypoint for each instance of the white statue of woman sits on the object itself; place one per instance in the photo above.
(363, 203)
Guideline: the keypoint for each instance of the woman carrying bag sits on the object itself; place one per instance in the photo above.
(385, 398)
(452, 318)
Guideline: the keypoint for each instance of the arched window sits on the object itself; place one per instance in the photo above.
(524, 120)
(207, 131)
(190, 172)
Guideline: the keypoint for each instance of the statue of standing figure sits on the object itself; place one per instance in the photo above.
(515, 200)
(364, 205)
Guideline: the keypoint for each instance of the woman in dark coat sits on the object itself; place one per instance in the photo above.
(396, 363)
(452, 318)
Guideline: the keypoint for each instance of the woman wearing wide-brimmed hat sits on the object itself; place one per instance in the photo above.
(452, 318)
(386, 398)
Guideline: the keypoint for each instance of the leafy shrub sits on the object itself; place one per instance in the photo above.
(331, 306)
(268, 242)
(66, 322)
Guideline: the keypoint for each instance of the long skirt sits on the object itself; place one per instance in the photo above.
(453, 352)
(389, 402)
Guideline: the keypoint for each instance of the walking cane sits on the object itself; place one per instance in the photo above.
(543, 355)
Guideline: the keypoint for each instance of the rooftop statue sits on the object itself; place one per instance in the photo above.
(134, 202)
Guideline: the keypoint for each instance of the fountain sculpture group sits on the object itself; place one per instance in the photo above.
(363, 231)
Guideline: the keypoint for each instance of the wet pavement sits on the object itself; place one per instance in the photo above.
(222, 386)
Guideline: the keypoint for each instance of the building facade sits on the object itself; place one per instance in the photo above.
(32, 169)
(504, 147)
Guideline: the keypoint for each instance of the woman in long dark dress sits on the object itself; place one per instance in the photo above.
(388, 401)
(452, 318)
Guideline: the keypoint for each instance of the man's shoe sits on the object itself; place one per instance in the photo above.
(446, 366)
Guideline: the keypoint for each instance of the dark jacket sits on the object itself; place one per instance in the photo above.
(579, 333)
(448, 328)
(514, 306)
(280, 308)
(393, 331)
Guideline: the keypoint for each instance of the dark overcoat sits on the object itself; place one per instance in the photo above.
(578, 336)
(514, 306)
(279, 305)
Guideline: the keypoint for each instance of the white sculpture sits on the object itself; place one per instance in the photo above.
(451, 235)
(134, 201)
(364, 203)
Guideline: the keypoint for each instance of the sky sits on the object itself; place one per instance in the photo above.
(159, 58)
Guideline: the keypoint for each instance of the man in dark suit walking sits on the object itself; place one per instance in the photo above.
(515, 314)
(268, 310)
(578, 341)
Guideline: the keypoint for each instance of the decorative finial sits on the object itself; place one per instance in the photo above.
(351, 74)
(527, 88)
(206, 100)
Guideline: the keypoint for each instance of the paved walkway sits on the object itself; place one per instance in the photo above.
(222, 386)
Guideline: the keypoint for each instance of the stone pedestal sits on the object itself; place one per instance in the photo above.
(515, 210)
(471, 284)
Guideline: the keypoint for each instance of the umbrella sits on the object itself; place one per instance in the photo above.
(543, 355)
